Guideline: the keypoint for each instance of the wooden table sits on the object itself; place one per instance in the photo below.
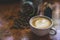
(27, 34)
(7, 10)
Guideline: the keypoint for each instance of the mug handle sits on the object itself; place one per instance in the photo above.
(31, 4)
(52, 31)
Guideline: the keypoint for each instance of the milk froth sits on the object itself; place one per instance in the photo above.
(41, 23)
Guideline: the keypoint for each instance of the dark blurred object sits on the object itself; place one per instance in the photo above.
(48, 12)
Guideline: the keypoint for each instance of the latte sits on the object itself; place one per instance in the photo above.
(41, 22)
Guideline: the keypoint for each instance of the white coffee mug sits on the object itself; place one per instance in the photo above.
(41, 32)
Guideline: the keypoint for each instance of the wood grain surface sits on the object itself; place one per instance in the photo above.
(7, 10)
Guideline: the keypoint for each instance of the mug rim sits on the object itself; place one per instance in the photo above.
(43, 17)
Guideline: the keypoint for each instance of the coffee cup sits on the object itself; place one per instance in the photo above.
(42, 25)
